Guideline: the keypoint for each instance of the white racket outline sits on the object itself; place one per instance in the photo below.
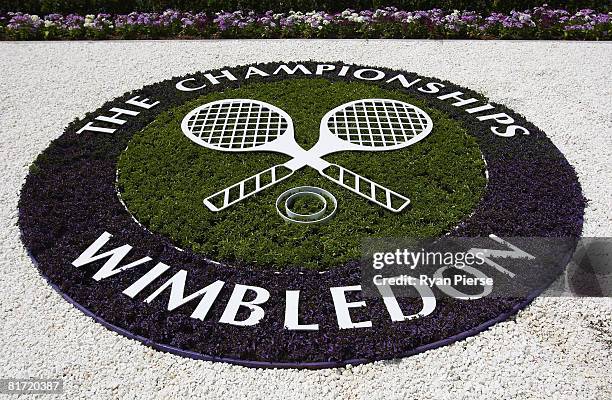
(382, 134)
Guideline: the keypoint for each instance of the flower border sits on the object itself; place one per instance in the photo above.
(536, 23)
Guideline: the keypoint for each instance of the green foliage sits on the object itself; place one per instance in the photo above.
(306, 205)
(126, 6)
(163, 178)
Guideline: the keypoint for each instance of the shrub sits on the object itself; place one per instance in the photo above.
(126, 6)
(538, 23)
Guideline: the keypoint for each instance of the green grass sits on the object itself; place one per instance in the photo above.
(306, 205)
(163, 178)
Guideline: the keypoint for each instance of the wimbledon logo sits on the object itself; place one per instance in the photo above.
(362, 125)
(248, 248)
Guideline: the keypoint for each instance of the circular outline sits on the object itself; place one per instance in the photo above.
(298, 195)
(572, 224)
(307, 189)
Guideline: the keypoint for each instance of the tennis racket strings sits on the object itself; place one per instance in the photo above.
(378, 123)
(236, 125)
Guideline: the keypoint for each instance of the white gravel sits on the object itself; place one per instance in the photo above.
(551, 350)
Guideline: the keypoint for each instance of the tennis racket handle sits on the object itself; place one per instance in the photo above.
(247, 187)
(364, 187)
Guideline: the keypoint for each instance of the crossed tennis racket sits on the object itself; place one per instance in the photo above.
(238, 125)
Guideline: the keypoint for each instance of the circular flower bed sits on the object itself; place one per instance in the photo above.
(69, 204)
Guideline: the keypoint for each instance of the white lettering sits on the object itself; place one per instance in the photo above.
(342, 307)
(181, 86)
(432, 87)
(324, 67)
(177, 292)
(115, 257)
(291, 313)
(141, 103)
(402, 79)
(360, 74)
(237, 300)
(460, 101)
(393, 307)
(255, 71)
(288, 71)
(224, 74)
(510, 131)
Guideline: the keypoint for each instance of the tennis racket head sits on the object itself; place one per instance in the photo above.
(376, 125)
(237, 125)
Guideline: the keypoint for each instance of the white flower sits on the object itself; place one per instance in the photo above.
(49, 24)
(34, 18)
(320, 27)
(326, 22)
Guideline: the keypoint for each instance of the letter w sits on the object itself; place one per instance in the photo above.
(115, 256)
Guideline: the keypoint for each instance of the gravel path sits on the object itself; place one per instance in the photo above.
(555, 349)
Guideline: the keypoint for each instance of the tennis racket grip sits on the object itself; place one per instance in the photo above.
(247, 187)
(364, 187)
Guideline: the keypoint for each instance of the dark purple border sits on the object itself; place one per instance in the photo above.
(305, 365)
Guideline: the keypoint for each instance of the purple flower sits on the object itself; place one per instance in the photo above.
(585, 23)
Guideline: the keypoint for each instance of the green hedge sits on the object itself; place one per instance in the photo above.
(126, 6)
